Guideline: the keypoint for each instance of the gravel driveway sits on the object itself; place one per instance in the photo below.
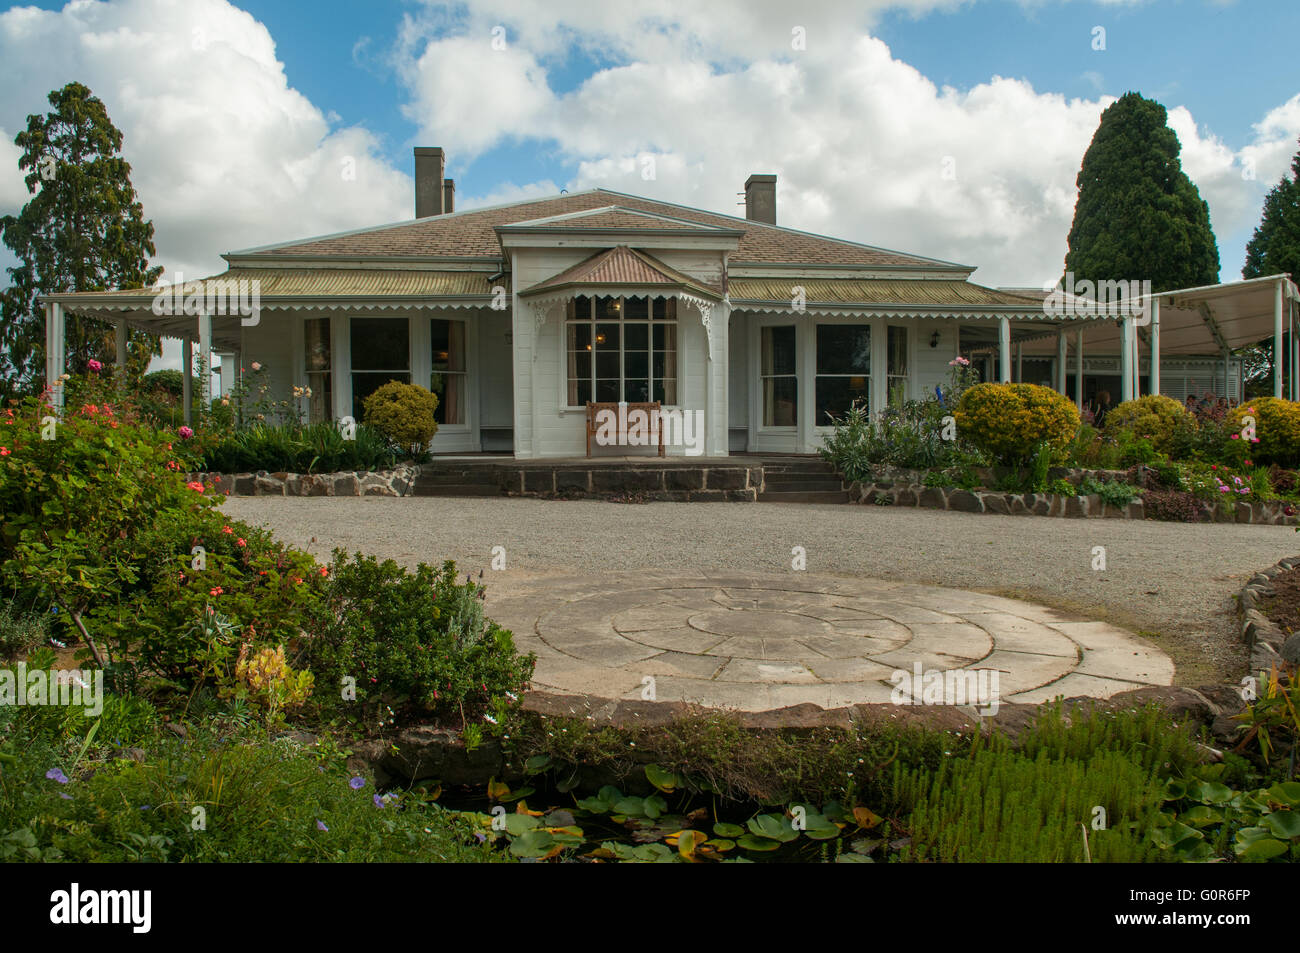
(1173, 583)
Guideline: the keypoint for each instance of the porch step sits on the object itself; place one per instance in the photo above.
(830, 485)
(811, 496)
(455, 489)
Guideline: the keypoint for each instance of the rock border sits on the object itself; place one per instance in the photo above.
(1269, 646)
(396, 482)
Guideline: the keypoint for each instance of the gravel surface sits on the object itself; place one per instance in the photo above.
(1173, 583)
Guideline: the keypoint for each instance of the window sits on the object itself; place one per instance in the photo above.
(620, 348)
(448, 377)
(779, 377)
(381, 352)
(843, 369)
(316, 337)
(896, 371)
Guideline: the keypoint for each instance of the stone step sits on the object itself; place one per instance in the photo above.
(453, 477)
(803, 486)
(817, 496)
(456, 489)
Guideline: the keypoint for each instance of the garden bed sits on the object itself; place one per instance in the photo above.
(395, 482)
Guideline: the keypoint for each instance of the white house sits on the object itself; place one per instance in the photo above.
(517, 315)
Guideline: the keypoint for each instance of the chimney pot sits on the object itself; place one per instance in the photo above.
(429, 164)
(760, 198)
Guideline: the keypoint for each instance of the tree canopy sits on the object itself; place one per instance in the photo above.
(1138, 216)
(82, 230)
(1274, 249)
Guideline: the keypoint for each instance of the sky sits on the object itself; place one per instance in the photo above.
(952, 129)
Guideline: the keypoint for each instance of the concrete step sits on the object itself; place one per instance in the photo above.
(456, 477)
(817, 496)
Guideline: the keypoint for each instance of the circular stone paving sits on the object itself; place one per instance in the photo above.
(757, 642)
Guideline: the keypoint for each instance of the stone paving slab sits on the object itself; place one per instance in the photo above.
(758, 641)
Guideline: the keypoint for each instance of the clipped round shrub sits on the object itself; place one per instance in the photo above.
(1153, 417)
(1010, 421)
(1276, 428)
(404, 414)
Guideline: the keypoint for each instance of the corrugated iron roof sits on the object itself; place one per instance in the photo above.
(332, 282)
(876, 291)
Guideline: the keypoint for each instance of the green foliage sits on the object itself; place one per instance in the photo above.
(415, 638)
(1274, 249)
(1062, 487)
(169, 381)
(1204, 820)
(905, 434)
(290, 448)
(1138, 216)
(1152, 417)
(82, 230)
(1011, 422)
(20, 631)
(1112, 492)
(261, 800)
(404, 414)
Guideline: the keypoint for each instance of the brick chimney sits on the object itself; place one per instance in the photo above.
(760, 198)
(448, 195)
(429, 189)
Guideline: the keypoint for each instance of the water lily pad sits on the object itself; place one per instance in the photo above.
(662, 778)
(537, 763)
(752, 842)
(720, 844)
(1283, 824)
(723, 829)
(688, 840)
(772, 826)
(852, 858)
(534, 844)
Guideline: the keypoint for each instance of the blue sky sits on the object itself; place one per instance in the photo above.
(233, 143)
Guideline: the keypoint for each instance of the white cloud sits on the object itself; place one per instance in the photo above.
(224, 152)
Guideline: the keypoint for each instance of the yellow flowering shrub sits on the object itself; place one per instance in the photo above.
(1154, 417)
(1009, 421)
(1276, 434)
(404, 414)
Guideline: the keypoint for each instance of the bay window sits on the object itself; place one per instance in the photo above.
(621, 349)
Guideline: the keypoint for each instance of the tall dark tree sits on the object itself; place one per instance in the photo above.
(82, 230)
(1138, 216)
(1274, 249)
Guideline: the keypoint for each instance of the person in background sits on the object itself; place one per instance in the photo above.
(1103, 407)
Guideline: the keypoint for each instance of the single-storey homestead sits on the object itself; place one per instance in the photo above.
(518, 315)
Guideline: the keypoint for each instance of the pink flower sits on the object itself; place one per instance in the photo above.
(1236, 436)
(94, 365)
(227, 530)
(4, 451)
(195, 485)
(257, 366)
(216, 591)
(185, 432)
(241, 544)
(324, 571)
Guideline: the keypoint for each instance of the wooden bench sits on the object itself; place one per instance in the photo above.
(651, 409)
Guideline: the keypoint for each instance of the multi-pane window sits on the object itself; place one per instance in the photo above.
(843, 370)
(896, 366)
(381, 352)
(316, 337)
(779, 375)
(621, 349)
(448, 378)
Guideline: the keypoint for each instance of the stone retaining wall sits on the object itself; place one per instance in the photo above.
(1269, 646)
(395, 482)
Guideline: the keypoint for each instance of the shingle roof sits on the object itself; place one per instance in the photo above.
(620, 266)
(471, 233)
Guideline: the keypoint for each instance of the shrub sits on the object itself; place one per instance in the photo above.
(1153, 417)
(1111, 492)
(908, 435)
(315, 448)
(404, 414)
(414, 638)
(170, 382)
(1277, 430)
(1010, 421)
(73, 507)
(1175, 506)
(20, 631)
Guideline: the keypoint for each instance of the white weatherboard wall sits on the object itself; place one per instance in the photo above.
(544, 426)
(270, 344)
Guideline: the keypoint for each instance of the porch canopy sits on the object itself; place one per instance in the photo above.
(213, 312)
(1205, 321)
